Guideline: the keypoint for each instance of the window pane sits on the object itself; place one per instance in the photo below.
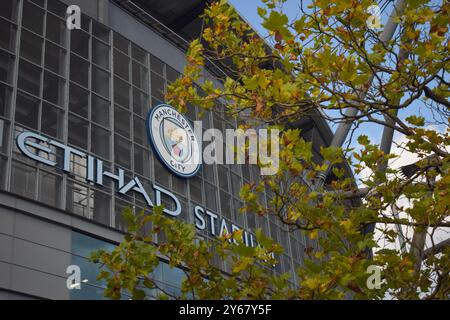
(157, 86)
(78, 131)
(8, 9)
(100, 111)
(122, 121)
(77, 198)
(57, 8)
(225, 204)
(6, 66)
(27, 110)
(78, 100)
(156, 65)
(7, 36)
(139, 54)
(5, 100)
(52, 121)
(79, 42)
(100, 82)
(211, 200)
(223, 177)
(4, 126)
(31, 46)
(195, 185)
(49, 188)
(32, 18)
(100, 141)
(121, 92)
(54, 58)
(101, 207)
(140, 102)
(53, 88)
(56, 30)
(23, 180)
(121, 43)
(79, 70)
(162, 176)
(100, 31)
(140, 76)
(122, 152)
(121, 65)
(139, 132)
(142, 161)
(171, 74)
(100, 54)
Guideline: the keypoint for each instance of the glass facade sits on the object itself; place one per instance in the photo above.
(91, 89)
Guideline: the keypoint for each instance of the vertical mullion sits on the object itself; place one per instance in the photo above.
(10, 147)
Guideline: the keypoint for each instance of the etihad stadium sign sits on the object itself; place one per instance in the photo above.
(44, 150)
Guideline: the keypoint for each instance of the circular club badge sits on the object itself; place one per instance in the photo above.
(173, 140)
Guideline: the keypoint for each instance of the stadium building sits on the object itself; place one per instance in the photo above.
(74, 148)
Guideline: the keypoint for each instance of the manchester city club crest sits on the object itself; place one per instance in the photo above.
(173, 140)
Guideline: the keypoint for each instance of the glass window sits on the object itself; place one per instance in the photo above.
(56, 30)
(208, 172)
(79, 43)
(101, 207)
(78, 131)
(49, 188)
(140, 76)
(32, 17)
(100, 53)
(139, 54)
(223, 177)
(157, 86)
(100, 82)
(122, 121)
(195, 185)
(156, 65)
(119, 206)
(5, 100)
(23, 179)
(83, 245)
(100, 141)
(53, 88)
(54, 58)
(78, 100)
(38, 2)
(31, 46)
(225, 204)
(9, 9)
(79, 70)
(162, 176)
(121, 92)
(4, 126)
(7, 36)
(100, 111)
(211, 198)
(139, 132)
(171, 74)
(3, 163)
(142, 163)
(121, 43)
(77, 198)
(121, 65)
(122, 151)
(100, 31)
(27, 110)
(236, 184)
(52, 121)
(57, 8)
(6, 67)
(140, 102)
